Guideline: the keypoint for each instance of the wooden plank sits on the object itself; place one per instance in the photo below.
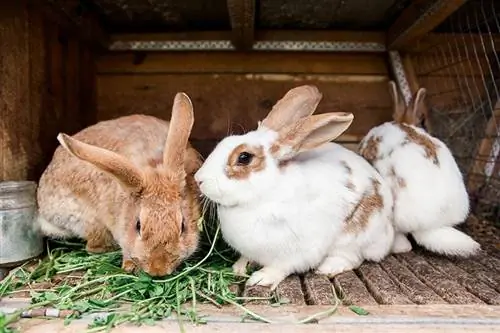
(15, 114)
(86, 28)
(419, 18)
(242, 18)
(257, 295)
(319, 289)
(416, 291)
(471, 283)
(480, 272)
(290, 290)
(260, 35)
(352, 290)
(380, 285)
(73, 119)
(88, 84)
(226, 104)
(242, 63)
(444, 286)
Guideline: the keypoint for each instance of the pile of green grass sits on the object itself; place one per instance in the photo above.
(91, 283)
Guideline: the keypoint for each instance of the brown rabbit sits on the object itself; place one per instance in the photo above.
(130, 184)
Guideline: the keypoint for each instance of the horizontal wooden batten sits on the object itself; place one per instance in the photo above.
(254, 62)
(260, 35)
(234, 103)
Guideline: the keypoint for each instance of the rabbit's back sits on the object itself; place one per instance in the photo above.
(427, 184)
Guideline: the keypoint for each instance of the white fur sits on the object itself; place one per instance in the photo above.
(434, 196)
(291, 219)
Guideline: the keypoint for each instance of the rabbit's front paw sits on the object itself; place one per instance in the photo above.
(401, 244)
(266, 277)
(332, 266)
(129, 266)
(240, 266)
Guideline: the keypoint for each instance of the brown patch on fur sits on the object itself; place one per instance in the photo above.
(236, 171)
(400, 181)
(369, 203)
(349, 184)
(370, 152)
(421, 140)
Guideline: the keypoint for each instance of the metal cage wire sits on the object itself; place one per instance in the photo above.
(462, 75)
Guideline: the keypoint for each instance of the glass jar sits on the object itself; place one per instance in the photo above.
(20, 236)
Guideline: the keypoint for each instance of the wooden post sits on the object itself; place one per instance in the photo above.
(242, 17)
(22, 81)
(419, 18)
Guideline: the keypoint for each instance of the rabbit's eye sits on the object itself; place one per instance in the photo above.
(244, 158)
(138, 226)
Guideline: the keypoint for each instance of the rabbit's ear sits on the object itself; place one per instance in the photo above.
(298, 103)
(110, 162)
(415, 112)
(398, 106)
(310, 132)
(181, 123)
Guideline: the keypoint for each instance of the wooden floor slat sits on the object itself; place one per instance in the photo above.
(473, 285)
(450, 290)
(415, 289)
(353, 289)
(381, 286)
(291, 289)
(480, 272)
(319, 289)
(257, 292)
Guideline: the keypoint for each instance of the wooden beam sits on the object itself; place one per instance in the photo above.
(260, 35)
(242, 18)
(419, 18)
(84, 25)
(242, 63)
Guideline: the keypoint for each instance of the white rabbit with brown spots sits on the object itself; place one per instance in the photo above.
(428, 188)
(291, 201)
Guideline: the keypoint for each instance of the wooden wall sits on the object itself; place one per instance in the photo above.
(232, 91)
(47, 81)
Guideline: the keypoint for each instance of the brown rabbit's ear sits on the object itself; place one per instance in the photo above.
(297, 103)
(116, 165)
(415, 112)
(181, 123)
(399, 108)
(310, 132)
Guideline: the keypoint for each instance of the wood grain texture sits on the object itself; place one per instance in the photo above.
(319, 289)
(352, 290)
(232, 103)
(446, 287)
(414, 289)
(381, 286)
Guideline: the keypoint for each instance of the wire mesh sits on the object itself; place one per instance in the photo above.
(461, 71)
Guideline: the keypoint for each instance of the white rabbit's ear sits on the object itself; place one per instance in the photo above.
(298, 103)
(309, 133)
(181, 123)
(398, 106)
(106, 160)
(415, 112)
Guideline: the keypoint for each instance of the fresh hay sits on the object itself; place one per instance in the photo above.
(83, 283)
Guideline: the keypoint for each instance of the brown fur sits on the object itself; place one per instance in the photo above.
(78, 198)
(406, 117)
(369, 203)
(422, 140)
(349, 183)
(370, 150)
(258, 163)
